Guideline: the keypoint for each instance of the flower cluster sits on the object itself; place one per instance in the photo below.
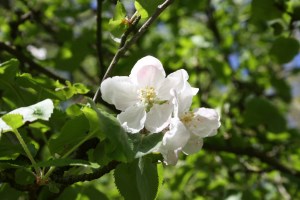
(148, 99)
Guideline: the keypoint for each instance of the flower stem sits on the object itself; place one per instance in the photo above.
(23, 144)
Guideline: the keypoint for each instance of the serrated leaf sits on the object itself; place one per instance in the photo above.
(284, 49)
(146, 7)
(144, 145)
(113, 131)
(143, 177)
(74, 131)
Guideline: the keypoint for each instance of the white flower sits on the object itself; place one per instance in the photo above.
(41, 110)
(145, 96)
(188, 128)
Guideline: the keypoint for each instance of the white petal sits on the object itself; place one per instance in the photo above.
(119, 91)
(193, 146)
(158, 117)
(133, 118)
(185, 98)
(147, 61)
(205, 123)
(170, 156)
(175, 80)
(177, 136)
(148, 71)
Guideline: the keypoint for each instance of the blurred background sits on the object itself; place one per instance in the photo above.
(243, 55)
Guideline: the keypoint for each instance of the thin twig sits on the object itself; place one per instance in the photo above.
(122, 49)
(68, 180)
(33, 65)
(99, 37)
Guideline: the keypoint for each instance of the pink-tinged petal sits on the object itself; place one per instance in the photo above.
(148, 71)
(177, 136)
(119, 91)
(205, 122)
(147, 61)
(158, 118)
(133, 118)
(193, 145)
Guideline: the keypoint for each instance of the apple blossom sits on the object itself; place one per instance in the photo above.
(187, 128)
(144, 97)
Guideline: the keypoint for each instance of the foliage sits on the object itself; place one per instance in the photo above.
(235, 51)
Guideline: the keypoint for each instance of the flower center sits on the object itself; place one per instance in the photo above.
(148, 96)
(187, 117)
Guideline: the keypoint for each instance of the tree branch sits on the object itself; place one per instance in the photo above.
(33, 65)
(123, 48)
(99, 36)
(68, 180)
(262, 156)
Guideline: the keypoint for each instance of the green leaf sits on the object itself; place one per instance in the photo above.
(143, 177)
(144, 145)
(120, 11)
(9, 147)
(113, 131)
(146, 7)
(285, 49)
(9, 69)
(82, 192)
(74, 131)
(13, 120)
(24, 176)
(260, 111)
(117, 24)
(282, 88)
(92, 117)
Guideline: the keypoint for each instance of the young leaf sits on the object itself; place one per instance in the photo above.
(146, 7)
(143, 177)
(117, 25)
(63, 162)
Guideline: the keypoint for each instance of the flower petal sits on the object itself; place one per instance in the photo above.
(175, 80)
(205, 123)
(185, 98)
(119, 91)
(133, 118)
(170, 156)
(158, 117)
(177, 136)
(193, 145)
(148, 71)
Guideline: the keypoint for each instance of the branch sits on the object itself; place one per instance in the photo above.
(99, 36)
(262, 156)
(68, 180)
(123, 48)
(24, 59)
